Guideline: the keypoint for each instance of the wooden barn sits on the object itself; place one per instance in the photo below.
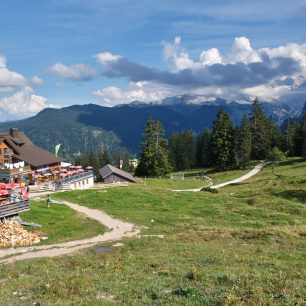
(111, 174)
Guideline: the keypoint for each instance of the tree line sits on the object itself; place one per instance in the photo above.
(99, 159)
(223, 147)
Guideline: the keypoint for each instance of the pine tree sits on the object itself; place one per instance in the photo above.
(154, 158)
(304, 136)
(204, 149)
(274, 133)
(261, 137)
(174, 151)
(236, 148)
(182, 150)
(104, 158)
(290, 137)
(93, 160)
(126, 155)
(221, 140)
(245, 142)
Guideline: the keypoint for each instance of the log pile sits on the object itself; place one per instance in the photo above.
(12, 234)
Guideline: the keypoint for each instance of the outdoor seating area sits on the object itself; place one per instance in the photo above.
(12, 193)
(50, 176)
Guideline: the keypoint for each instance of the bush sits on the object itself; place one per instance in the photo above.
(276, 154)
(211, 190)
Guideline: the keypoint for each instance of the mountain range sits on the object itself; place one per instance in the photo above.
(82, 128)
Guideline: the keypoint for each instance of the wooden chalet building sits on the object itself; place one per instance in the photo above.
(111, 174)
(20, 158)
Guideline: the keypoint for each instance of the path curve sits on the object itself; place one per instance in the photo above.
(256, 169)
(117, 230)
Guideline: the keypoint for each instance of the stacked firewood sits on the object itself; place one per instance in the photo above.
(12, 234)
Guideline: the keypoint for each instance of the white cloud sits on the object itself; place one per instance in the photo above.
(9, 78)
(139, 84)
(242, 52)
(183, 61)
(24, 102)
(210, 57)
(170, 49)
(267, 92)
(140, 91)
(35, 80)
(77, 72)
(177, 40)
(106, 57)
(5, 89)
(294, 51)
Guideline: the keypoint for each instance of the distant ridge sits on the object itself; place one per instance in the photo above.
(83, 128)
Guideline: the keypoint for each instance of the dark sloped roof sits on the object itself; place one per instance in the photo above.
(109, 169)
(25, 150)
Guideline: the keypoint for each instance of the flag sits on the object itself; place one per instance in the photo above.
(57, 147)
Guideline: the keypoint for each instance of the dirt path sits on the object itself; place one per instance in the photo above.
(117, 230)
(256, 169)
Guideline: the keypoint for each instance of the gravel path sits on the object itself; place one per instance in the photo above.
(117, 230)
(256, 169)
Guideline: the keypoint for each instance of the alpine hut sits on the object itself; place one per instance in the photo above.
(111, 174)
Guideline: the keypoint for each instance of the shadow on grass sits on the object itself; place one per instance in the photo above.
(297, 194)
(291, 162)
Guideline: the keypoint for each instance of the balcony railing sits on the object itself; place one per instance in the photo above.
(13, 170)
(11, 209)
(75, 178)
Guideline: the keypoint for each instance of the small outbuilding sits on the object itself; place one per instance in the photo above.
(111, 174)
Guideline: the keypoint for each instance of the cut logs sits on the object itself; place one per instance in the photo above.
(12, 234)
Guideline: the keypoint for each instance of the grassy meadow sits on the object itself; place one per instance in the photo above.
(244, 245)
(60, 223)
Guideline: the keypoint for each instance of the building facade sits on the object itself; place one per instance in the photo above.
(20, 158)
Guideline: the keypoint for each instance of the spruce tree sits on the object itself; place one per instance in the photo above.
(304, 136)
(104, 158)
(154, 158)
(93, 160)
(198, 145)
(261, 137)
(205, 152)
(236, 148)
(221, 140)
(245, 142)
(290, 137)
(182, 150)
(174, 151)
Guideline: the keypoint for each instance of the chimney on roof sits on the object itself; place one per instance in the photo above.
(14, 132)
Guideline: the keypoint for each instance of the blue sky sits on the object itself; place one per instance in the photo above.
(63, 52)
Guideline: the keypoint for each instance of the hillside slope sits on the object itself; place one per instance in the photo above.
(82, 128)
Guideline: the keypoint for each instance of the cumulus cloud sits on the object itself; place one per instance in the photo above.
(9, 78)
(35, 80)
(107, 57)
(170, 49)
(216, 74)
(77, 72)
(24, 102)
(210, 57)
(242, 52)
(267, 72)
(267, 92)
(139, 91)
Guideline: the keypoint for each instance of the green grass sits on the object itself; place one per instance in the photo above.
(242, 246)
(60, 223)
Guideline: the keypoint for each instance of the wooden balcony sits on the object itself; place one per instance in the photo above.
(14, 171)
